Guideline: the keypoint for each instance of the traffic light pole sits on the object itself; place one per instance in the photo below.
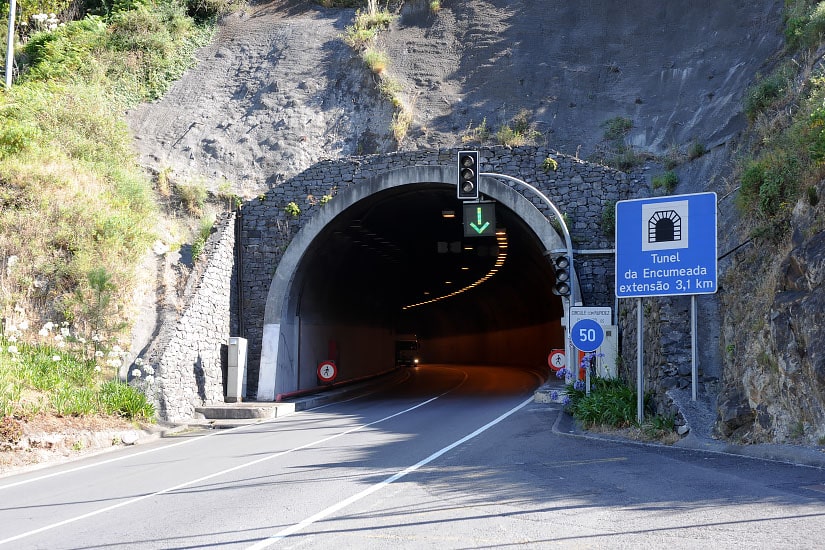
(568, 242)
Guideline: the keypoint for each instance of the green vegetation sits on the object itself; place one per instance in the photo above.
(550, 164)
(76, 211)
(618, 153)
(804, 23)
(478, 134)
(205, 229)
(362, 36)
(293, 209)
(785, 155)
(608, 220)
(59, 373)
(617, 128)
(612, 404)
(666, 181)
(514, 133)
(519, 131)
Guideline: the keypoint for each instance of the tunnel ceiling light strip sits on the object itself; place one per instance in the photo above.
(501, 237)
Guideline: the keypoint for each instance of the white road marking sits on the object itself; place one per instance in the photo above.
(217, 474)
(366, 492)
(179, 443)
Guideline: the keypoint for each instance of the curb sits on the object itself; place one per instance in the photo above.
(566, 426)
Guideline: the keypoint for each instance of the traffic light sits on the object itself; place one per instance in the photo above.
(561, 267)
(468, 175)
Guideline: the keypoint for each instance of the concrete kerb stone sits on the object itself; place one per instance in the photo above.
(566, 426)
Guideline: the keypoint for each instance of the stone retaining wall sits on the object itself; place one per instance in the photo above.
(582, 191)
(188, 358)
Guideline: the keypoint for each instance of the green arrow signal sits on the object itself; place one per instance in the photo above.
(479, 228)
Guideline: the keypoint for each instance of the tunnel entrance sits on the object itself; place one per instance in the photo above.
(392, 261)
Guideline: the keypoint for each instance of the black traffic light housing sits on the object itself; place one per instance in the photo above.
(468, 175)
(561, 267)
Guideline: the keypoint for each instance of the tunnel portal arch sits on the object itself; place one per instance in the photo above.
(278, 365)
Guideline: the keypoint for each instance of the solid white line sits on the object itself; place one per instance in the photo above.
(216, 474)
(366, 492)
(170, 446)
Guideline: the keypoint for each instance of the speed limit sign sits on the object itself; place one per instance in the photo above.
(327, 371)
(587, 335)
(556, 360)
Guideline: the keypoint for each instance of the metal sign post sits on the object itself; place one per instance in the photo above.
(666, 246)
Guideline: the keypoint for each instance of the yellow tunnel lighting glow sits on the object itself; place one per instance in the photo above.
(501, 237)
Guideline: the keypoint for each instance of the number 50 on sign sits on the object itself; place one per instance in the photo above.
(587, 335)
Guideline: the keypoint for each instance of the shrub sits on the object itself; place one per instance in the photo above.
(193, 196)
(666, 181)
(617, 128)
(608, 220)
(767, 92)
(375, 60)
(400, 125)
(696, 150)
(206, 225)
(293, 209)
(519, 131)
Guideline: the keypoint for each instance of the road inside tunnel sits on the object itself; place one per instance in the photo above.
(399, 263)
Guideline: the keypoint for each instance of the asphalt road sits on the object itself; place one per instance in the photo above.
(451, 457)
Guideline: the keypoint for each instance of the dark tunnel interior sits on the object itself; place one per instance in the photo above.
(399, 263)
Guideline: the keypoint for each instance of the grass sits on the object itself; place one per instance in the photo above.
(45, 377)
(76, 210)
(517, 132)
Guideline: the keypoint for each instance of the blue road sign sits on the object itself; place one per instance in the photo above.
(587, 335)
(666, 246)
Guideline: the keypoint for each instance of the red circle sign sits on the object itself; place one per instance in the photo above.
(327, 371)
(556, 360)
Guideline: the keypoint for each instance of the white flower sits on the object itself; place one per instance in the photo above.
(149, 369)
(55, 358)
(48, 326)
(81, 340)
(24, 325)
(138, 361)
(65, 332)
(97, 368)
(150, 379)
(116, 349)
(99, 353)
(136, 373)
(96, 337)
(61, 344)
(58, 338)
(43, 332)
(12, 338)
(13, 350)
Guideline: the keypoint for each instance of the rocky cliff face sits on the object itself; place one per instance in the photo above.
(278, 91)
(774, 382)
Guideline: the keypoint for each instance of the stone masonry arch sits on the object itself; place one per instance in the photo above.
(277, 371)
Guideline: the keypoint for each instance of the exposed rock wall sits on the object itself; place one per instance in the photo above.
(774, 305)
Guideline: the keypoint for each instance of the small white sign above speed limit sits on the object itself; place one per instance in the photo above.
(602, 315)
